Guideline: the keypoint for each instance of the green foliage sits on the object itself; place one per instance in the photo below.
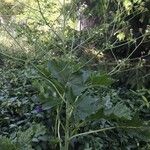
(33, 134)
(24, 139)
(63, 84)
(74, 89)
(7, 144)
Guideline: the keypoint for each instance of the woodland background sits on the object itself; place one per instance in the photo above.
(74, 74)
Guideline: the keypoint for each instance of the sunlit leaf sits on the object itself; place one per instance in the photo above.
(128, 5)
(121, 36)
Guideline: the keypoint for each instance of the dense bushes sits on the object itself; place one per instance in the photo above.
(92, 105)
(65, 88)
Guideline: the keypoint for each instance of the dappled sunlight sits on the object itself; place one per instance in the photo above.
(74, 74)
(9, 45)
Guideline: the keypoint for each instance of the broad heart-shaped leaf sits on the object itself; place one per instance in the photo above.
(59, 70)
(86, 75)
(120, 110)
(101, 114)
(77, 84)
(100, 80)
(108, 110)
(86, 106)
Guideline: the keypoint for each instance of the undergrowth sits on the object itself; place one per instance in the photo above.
(65, 88)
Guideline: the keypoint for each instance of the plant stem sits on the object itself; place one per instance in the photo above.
(67, 127)
(106, 129)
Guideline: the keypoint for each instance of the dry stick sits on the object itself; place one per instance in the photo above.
(136, 48)
(104, 50)
(115, 70)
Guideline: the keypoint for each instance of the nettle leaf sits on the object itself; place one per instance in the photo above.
(50, 103)
(87, 106)
(62, 70)
(101, 80)
(86, 75)
(77, 86)
(59, 70)
(120, 110)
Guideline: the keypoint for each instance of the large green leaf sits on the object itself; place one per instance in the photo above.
(120, 110)
(77, 84)
(62, 70)
(59, 70)
(86, 106)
